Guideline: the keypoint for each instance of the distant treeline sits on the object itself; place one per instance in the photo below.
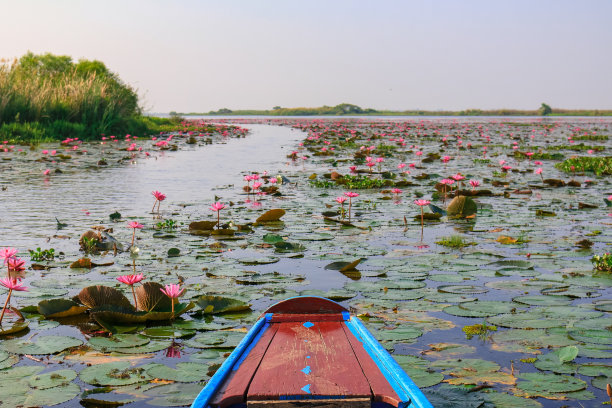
(354, 110)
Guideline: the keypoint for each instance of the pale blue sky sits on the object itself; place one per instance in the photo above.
(454, 54)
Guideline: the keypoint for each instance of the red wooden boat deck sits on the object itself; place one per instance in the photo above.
(306, 355)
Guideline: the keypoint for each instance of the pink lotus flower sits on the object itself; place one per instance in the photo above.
(159, 197)
(421, 203)
(401, 165)
(396, 191)
(11, 284)
(130, 279)
(15, 264)
(218, 207)
(590, 151)
(458, 177)
(539, 171)
(502, 162)
(446, 159)
(134, 225)
(419, 153)
(7, 253)
(341, 200)
(537, 163)
(506, 168)
(474, 184)
(173, 292)
(273, 180)
(350, 195)
(46, 172)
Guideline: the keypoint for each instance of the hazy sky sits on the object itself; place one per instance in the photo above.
(204, 55)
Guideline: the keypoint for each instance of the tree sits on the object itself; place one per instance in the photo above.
(544, 110)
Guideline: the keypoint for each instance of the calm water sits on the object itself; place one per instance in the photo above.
(29, 205)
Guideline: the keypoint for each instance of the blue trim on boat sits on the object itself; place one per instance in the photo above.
(346, 316)
(406, 389)
(244, 347)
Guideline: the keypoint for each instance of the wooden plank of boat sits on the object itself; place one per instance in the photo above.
(309, 351)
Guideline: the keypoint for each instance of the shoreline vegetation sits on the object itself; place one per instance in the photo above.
(354, 110)
(49, 97)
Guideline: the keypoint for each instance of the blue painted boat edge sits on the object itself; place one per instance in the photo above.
(406, 389)
(209, 390)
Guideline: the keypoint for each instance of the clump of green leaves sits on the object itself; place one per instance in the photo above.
(601, 166)
(168, 224)
(89, 245)
(40, 255)
(602, 262)
(454, 241)
(480, 330)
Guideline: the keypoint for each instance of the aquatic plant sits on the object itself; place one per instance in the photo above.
(173, 292)
(350, 196)
(602, 262)
(159, 197)
(474, 184)
(40, 255)
(422, 203)
(601, 166)
(480, 330)
(11, 284)
(340, 200)
(539, 171)
(134, 225)
(131, 280)
(454, 241)
(218, 207)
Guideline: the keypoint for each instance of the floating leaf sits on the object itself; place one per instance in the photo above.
(150, 297)
(52, 379)
(54, 308)
(184, 372)
(220, 304)
(94, 296)
(116, 373)
(271, 215)
(41, 345)
(551, 386)
(461, 206)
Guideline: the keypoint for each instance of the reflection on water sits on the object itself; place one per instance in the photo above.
(29, 206)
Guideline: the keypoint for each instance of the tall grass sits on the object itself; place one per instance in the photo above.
(73, 100)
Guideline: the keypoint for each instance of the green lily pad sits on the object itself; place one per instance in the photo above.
(15, 327)
(595, 369)
(115, 373)
(543, 300)
(548, 385)
(462, 289)
(184, 372)
(41, 345)
(220, 304)
(60, 308)
(558, 361)
(592, 335)
(52, 379)
(107, 344)
(173, 395)
(500, 400)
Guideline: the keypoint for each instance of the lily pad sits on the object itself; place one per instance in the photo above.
(184, 372)
(52, 379)
(220, 304)
(271, 216)
(551, 386)
(54, 308)
(41, 345)
(115, 373)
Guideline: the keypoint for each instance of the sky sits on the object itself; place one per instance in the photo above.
(198, 56)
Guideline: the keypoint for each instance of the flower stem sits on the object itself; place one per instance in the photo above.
(133, 236)
(153, 210)
(134, 294)
(218, 221)
(422, 215)
(5, 303)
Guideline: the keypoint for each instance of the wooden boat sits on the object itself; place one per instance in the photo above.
(309, 351)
